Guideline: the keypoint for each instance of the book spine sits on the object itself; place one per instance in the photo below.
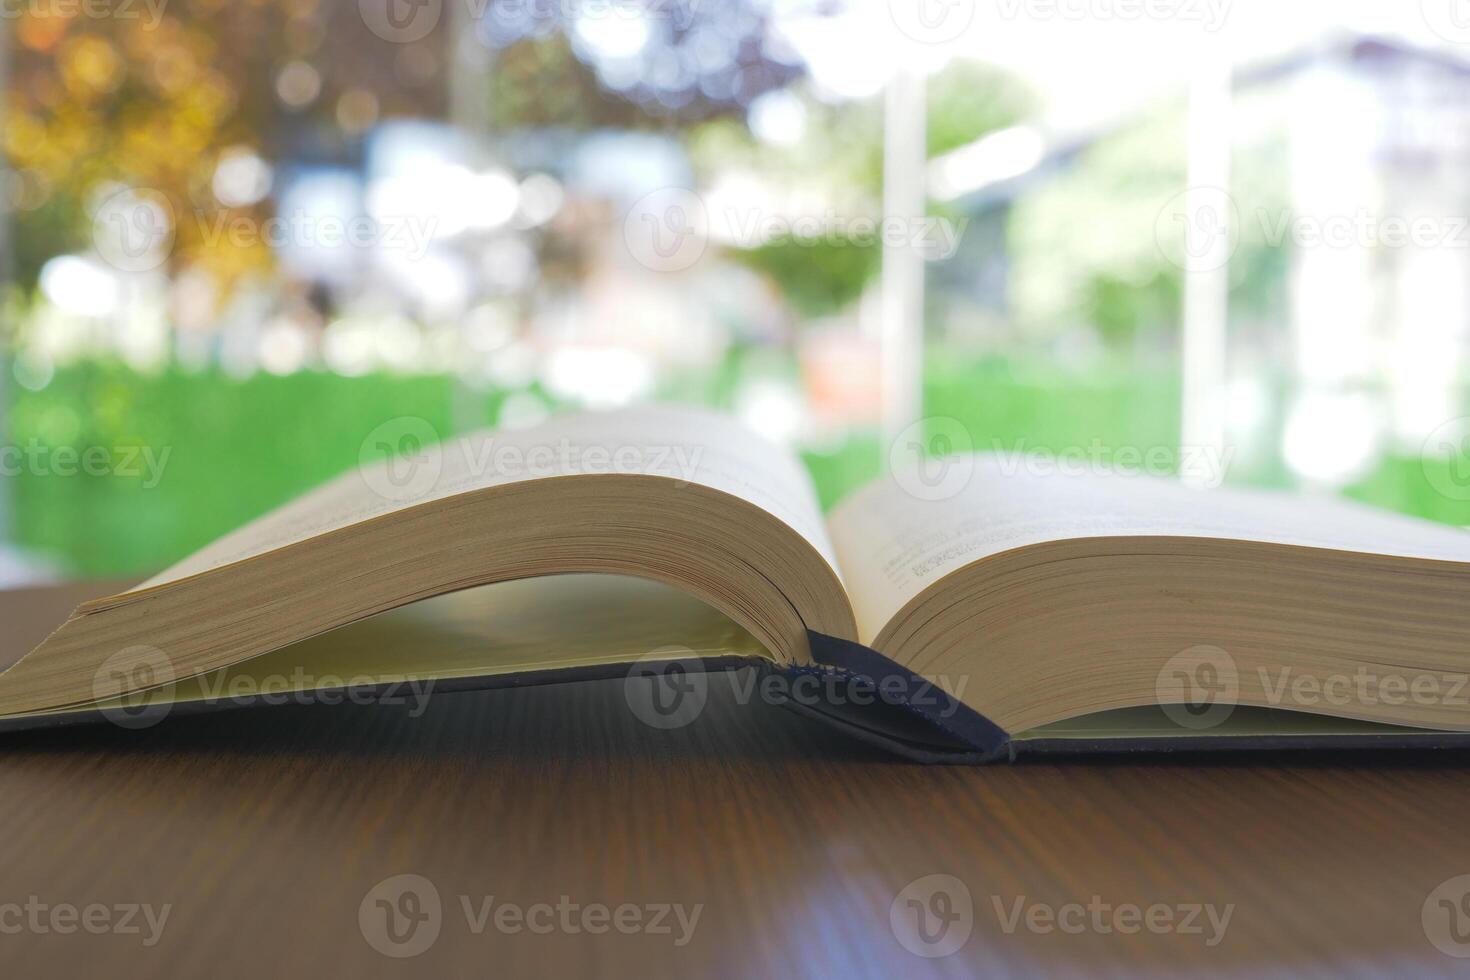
(897, 708)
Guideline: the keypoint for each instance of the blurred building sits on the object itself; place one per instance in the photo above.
(1349, 221)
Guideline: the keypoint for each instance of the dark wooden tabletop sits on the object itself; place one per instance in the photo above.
(550, 832)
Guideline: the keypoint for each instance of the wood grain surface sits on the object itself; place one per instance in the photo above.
(267, 831)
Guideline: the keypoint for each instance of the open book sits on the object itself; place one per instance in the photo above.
(972, 607)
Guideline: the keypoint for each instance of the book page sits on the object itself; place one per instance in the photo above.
(556, 623)
(902, 533)
(689, 445)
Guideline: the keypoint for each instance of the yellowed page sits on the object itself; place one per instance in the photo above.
(685, 444)
(560, 622)
(902, 533)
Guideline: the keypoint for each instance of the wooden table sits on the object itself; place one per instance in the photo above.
(268, 832)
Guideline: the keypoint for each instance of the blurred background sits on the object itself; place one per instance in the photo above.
(1221, 239)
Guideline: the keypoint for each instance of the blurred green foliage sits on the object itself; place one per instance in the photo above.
(541, 82)
(841, 150)
(237, 448)
(1093, 245)
(1013, 406)
(817, 278)
(968, 99)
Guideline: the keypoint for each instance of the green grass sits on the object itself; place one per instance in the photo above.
(237, 448)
